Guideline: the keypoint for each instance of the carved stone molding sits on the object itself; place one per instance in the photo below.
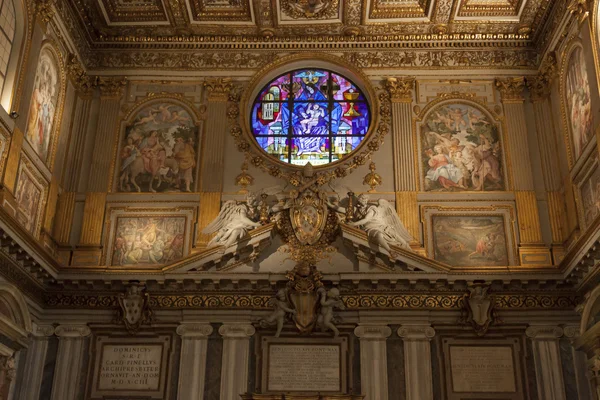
(511, 89)
(192, 330)
(373, 332)
(72, 331)
(236, 331)
(43, 331)
(110, 87)
(416, 332)
(544, 332)
(218, 88)
(400, 89)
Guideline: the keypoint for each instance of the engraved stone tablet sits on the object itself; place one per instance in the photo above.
(482, 369)
(301, 366)
(130, 366)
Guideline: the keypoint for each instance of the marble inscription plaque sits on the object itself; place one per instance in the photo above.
(482, 369)
(130, 367)
(298, 368)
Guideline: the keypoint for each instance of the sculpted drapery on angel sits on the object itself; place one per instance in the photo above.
(233, 222)
(382, 224)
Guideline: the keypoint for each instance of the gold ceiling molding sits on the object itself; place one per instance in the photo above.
(117, 11)
(388, 9)
(215, 11)
(310, 9)
(486, 8)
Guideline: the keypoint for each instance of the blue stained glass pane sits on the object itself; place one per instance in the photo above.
(347, 90)
(270, 119)
(318, 117)
(310, 149)
(310, 119)
(355, 119)
(310, 84)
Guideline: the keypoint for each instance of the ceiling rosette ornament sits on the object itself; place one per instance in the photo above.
(311, 9)
(241, 107)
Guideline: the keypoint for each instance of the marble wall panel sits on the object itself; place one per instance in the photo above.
(48, 376)
(395, 367)
(214, 357)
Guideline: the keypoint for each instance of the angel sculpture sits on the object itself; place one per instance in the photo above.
(233, 223)
(329, 301)
(282, 307)
(382, 224)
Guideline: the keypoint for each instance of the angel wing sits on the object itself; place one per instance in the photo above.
(229, 210)
(393, 221)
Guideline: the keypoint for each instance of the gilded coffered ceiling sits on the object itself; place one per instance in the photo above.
(143, 21)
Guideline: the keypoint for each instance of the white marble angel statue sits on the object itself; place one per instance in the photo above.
(233, 223)
(329, 300)
(382, 224)
(282, 308)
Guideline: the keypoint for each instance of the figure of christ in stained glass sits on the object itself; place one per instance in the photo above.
(310, 116)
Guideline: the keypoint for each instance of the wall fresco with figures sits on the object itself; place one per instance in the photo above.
(43, 106)
(148, 240)
(469, 240)
(460, 150)
(159, 151)
(29, 198)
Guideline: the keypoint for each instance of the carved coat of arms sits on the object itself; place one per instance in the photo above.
(479, 306)
(134, 308)
(308, 215)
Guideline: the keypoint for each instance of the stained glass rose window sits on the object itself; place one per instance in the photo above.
(310, 115)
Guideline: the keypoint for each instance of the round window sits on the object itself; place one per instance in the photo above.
(310, 115)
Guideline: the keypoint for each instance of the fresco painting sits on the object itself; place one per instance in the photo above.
(159, 151)
(461, 150)
(28, 196)
(44, 99)
(148, 240)
(469, 240)
(579, 104)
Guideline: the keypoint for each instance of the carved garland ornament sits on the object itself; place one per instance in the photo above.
(380, 127)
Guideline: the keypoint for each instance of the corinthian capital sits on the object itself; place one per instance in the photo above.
(511, 89)
(82, 82)
(580, 9)
(400, 89)
(218, 88)
(110, 87)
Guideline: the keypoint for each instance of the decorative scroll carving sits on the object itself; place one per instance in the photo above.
(511, 89)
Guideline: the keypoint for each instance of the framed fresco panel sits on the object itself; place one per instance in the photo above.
(30, 197)
(587, 195)
(42, 118)
(460, 149)
(468, 237)
(159, 149)
(148, 237)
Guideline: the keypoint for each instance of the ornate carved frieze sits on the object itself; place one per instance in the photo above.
(511, 89)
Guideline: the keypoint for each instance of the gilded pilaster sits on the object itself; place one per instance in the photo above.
(539, 89)
(401, 91)
(64, 217)
(531, 249)
(215, 133)
(12, 161)
(210, 204)
(93, 218)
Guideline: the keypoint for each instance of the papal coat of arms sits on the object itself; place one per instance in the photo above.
(479, 306)
(134, 308)
(308, 215)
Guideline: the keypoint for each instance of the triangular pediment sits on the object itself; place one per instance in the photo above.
(263, 251)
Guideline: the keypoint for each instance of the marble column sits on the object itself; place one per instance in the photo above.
(532, 250)
(68, 368)
(192, 365)
(548, 368)
(34, 362)
(401, 90)
(417, 360)
(373, 360)
(236, 354)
